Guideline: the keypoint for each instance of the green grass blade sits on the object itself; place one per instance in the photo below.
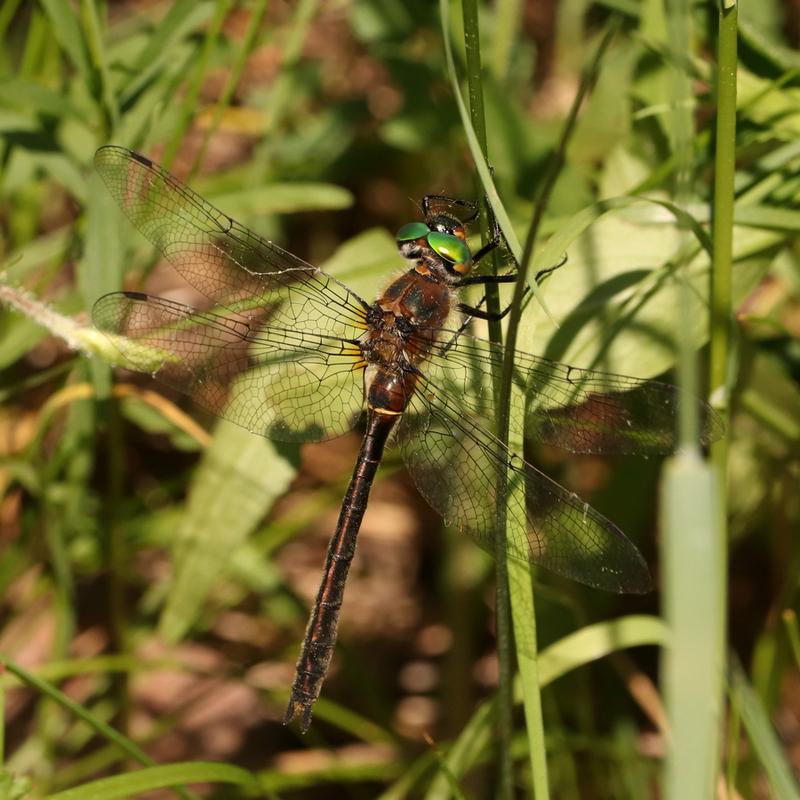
(102, 82)
(182, 18)
(284, 198)
(599, 640)
(576, 650)
(66, 28)
(691, 669)
(128, 747)
(503, 611)
(239, 478)
(132, 784)
(188, 108)
(762, 736)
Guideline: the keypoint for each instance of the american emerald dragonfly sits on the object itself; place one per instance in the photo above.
(291, 353)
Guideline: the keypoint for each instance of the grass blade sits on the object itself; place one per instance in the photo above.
(133, 784)
(762, 736)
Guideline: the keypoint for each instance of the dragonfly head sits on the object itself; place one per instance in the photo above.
(440, 242)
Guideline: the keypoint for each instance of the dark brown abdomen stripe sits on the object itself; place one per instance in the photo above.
(320, 635)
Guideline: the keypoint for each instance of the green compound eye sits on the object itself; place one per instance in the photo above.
(412, 231)
(451, 248)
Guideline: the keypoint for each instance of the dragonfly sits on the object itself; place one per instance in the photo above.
(291, 353)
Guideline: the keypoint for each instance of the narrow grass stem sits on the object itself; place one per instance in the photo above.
(507, 23)
(505, 704)
(45, 688)
(189, 105)
(474, 70)
(522, 577)
(721, 317)
(244, 52)
(693, 539)
(722, 212)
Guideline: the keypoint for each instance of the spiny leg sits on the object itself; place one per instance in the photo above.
(475, 312)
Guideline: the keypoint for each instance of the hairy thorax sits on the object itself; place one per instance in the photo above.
(404, 323)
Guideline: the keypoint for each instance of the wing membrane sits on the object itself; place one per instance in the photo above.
(580, 410)
(457, 466)
(287, 385)
(225, 261)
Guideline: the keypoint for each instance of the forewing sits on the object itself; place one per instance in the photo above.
(580, 410)
(458, 467)
(285, 384)
(228, 263)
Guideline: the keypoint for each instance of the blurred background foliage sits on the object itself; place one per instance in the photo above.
(157, 566)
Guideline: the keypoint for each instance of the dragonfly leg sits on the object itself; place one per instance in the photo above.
(470, 205)
(509, 277)
(473, 280)
(543, 274)
(476, 311)
(491, 245)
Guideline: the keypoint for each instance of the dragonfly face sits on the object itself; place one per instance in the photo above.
(289, 352)
(437, 245)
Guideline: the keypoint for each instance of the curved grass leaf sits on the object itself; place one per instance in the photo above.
(285, 198)
(613, 299)
(238, 480)
(763, 738)
(578, 649)
(132, 784)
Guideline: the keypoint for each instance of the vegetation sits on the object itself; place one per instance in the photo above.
(157, 565)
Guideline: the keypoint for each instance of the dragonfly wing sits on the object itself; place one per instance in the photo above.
(285, 384)
(228, 263)
(458, 467)
(581, 410)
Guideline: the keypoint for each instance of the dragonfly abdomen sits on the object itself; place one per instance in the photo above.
(320, 638)
(388, 389)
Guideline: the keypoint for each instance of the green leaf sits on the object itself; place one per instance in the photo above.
(132, 784)
(605, 120)
(763, 738)
(772, 396)
(34, 98)
(18, 335)
(238, 480)
(614, 299)
(775, 108)
(100, 270)
(152, 421)
(573, 651)
(125, 745)
(64, 170)
(768, 218)
(781, 57)
(284, 198)
(66, 28)
(183, 18)
(692, 567)
(599, 640)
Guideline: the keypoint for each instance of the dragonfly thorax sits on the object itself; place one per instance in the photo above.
(413, 301)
